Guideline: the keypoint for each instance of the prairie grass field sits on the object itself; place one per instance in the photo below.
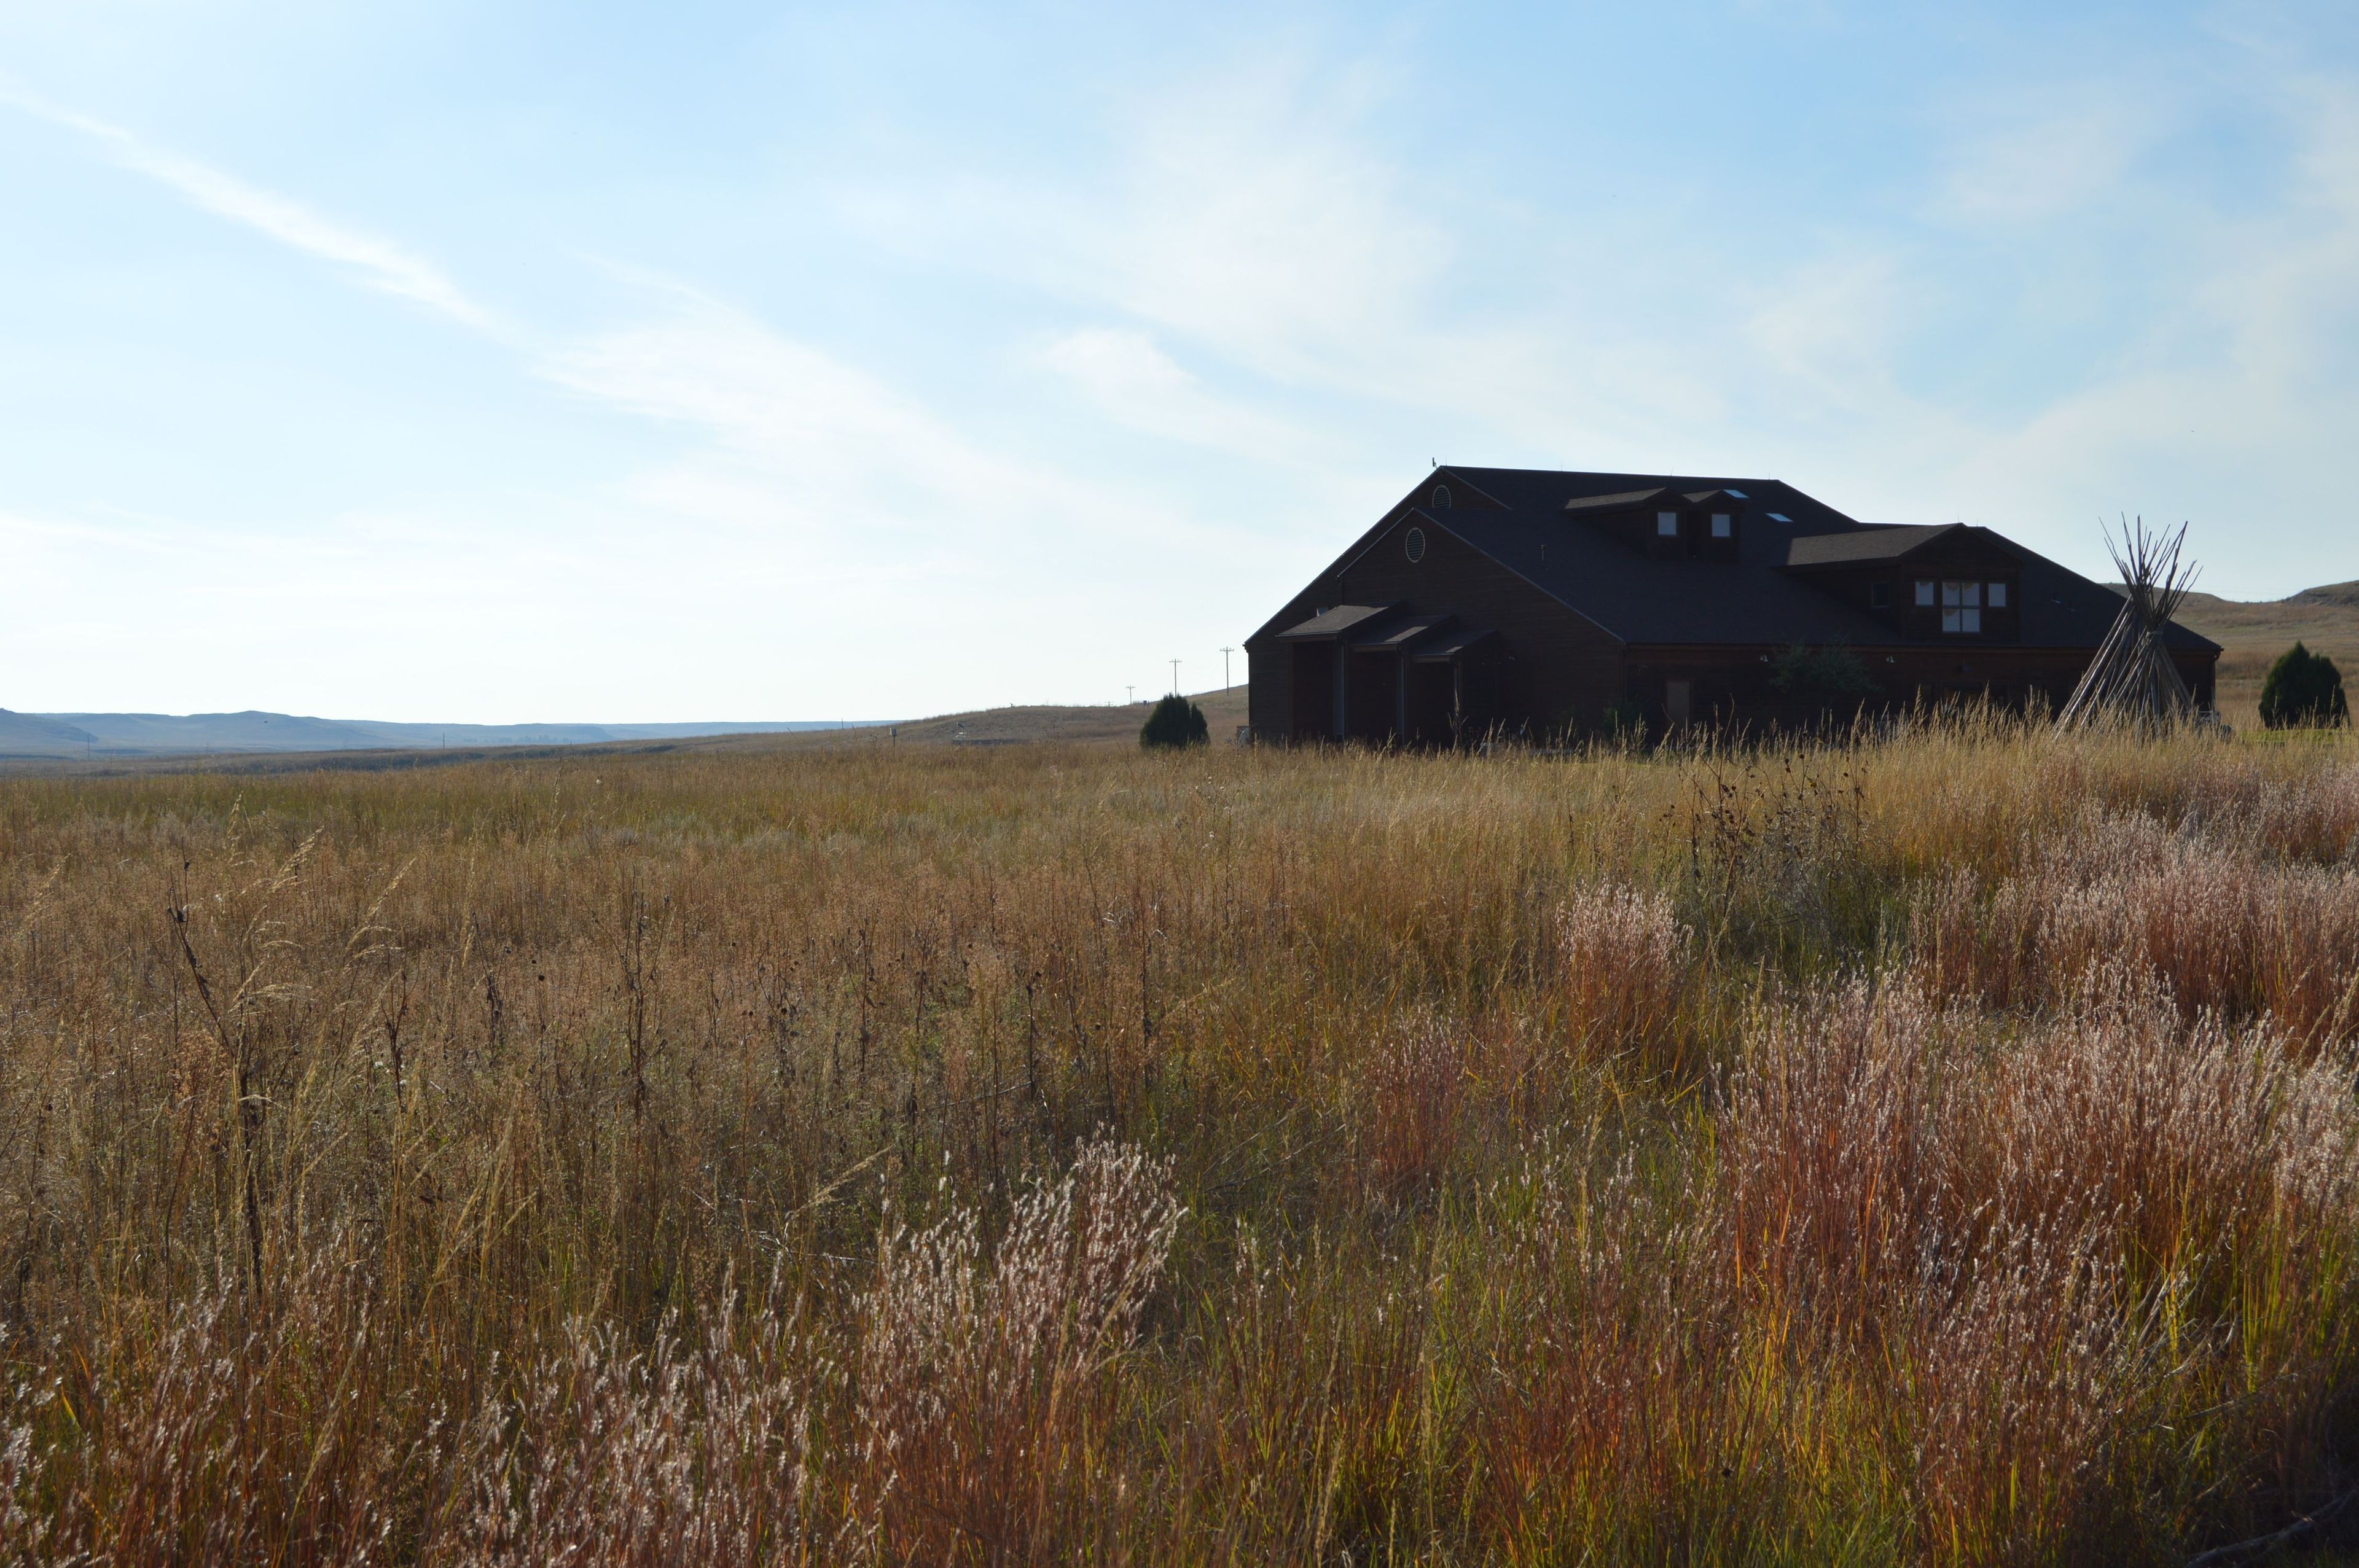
(1941, 1149)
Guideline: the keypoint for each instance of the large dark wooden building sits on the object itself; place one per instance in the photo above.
(1530, 602)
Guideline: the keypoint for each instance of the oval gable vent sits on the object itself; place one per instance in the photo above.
(1441, 495)
(1414, 542)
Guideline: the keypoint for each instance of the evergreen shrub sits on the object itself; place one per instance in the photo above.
(2303, 690)
(1175, 722)
(1831, 671)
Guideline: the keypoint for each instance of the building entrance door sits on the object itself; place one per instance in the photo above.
(1678, 698)
(1314, 691)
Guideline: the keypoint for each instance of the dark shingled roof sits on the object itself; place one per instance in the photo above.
(1632, 498)
(1449, 645)
(1644, 601)
(1343, 618)
(1750, 600)
(1408, 632)
(1874, 542)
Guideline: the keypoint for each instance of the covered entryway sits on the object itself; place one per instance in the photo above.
(1447, 688)
(1376, 673)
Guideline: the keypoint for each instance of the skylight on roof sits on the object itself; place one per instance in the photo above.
(1779, 517)
(1738, 493)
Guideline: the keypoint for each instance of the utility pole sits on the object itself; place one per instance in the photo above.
(1175, 678)
(1129, 696)
(1224, 667)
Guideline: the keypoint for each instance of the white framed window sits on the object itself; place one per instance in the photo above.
(1667, 524)
(1998, 596)
(1924, 595)
(1962, 605)
(1721, 527)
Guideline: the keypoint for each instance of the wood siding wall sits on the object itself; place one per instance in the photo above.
(1733, 684)
(1552, 666)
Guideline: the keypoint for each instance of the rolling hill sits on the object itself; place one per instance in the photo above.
(89, 736)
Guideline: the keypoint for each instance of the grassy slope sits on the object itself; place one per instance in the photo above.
(1555, 1189)
(2252, 634)
(1224, 711)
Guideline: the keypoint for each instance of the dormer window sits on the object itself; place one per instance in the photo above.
(1924, 595)
(1667, 524)
(1998, 596)
(1962, 607)
(1722, 525)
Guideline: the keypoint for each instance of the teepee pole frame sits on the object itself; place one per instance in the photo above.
(2133, 675)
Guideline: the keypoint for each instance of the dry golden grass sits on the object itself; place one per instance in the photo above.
(1937, 1150)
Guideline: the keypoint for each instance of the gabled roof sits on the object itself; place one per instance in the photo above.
(1752, 599)
(1755, 599)
(1641, 599)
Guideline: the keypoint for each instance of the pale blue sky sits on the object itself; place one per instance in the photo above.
(694, 360)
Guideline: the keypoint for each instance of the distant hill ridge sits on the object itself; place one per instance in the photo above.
(35, 729)
(33, 735)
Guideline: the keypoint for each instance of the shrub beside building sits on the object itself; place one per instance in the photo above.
(2303, 690)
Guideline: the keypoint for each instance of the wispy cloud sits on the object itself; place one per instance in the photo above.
(790, 441)
(1130, 381)
(2034, 161)
(911, 424)
(1256, 217)
(772, 406)
(2241, 392)
(378, 263)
